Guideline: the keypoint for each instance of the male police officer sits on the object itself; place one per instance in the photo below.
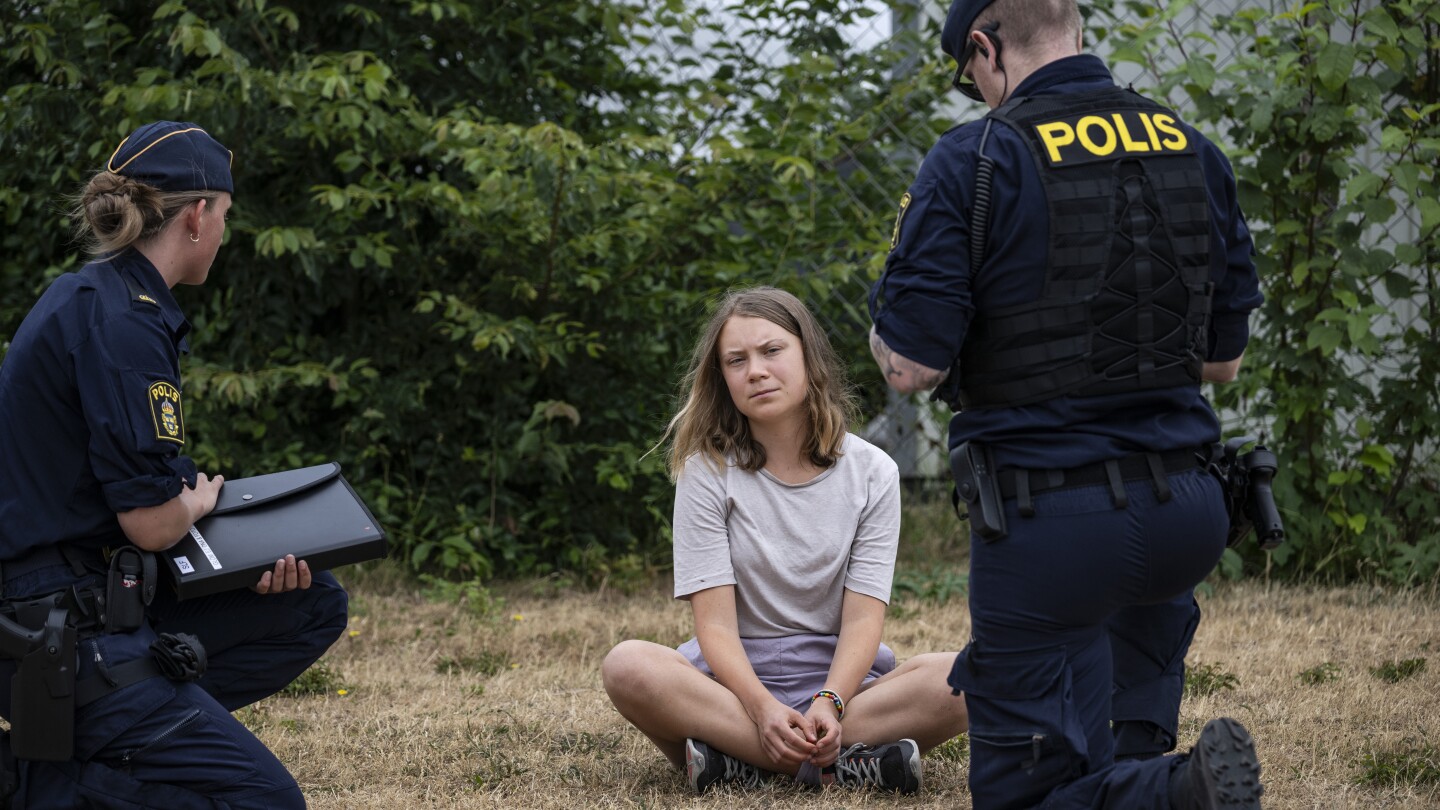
(91, 433)
(1067, 271)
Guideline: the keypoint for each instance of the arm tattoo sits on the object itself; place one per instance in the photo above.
(902, 373)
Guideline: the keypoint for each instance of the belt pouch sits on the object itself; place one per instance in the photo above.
(129, 587)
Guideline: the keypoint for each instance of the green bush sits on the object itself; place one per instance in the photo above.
(1327, 672)
(1412, 762)
(472, 241)
(1331, 113)
(1208, 679)
(1397, 671)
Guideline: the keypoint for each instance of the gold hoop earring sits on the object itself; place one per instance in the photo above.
(194, 237)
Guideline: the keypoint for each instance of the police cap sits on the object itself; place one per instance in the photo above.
(174, 156)
(958, 24)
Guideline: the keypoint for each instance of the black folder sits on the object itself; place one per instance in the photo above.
(311, 512)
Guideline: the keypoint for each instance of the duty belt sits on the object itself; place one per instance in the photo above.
(1023, 484)
(41, 633)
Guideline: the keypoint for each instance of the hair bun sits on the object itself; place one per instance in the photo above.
(117, 210)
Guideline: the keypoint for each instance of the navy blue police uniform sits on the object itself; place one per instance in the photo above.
(92, 424)
(1083, 612)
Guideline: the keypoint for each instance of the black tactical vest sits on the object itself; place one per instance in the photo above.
(1126, 302)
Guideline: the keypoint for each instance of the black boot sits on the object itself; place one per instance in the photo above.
(1222, 772)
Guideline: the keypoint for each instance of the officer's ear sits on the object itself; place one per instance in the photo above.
(191, 218)
(999, 65)
(981, 38)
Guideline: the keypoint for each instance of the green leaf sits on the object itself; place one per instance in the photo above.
(1357, 327)
(1393, 139)
(1324, 338)
(1364, 184)
(1201, 72)
(1377, 22)
(1334, 64)
(1406, 176)
(1429, 214)
(1378, 458)
(1393, 57)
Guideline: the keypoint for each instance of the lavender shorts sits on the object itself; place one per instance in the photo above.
(793, 668)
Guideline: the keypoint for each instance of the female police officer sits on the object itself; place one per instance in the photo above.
(92, 427)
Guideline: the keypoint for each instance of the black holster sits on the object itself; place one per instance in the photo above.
(977, 485)
(42, 692)
(1249, 501)
(41, 636)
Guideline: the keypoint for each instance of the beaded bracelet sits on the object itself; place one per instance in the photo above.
(834, 698)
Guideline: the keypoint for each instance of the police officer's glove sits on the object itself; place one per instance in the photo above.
(181, 656)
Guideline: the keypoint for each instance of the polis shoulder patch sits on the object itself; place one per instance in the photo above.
(899, 218)
(165, 410)
(1081, 139)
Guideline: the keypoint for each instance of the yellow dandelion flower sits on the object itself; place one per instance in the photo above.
(518, 617)
(354, 633)
(342, 692)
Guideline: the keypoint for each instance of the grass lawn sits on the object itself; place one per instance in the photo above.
(476, 698)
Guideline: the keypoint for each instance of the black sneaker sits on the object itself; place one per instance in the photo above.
(1222, 773)
(893, 766)
(704, 767)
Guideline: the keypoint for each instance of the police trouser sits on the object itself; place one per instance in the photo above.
(1082, 614)
(162, 744)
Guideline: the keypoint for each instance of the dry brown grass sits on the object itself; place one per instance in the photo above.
(447, 706)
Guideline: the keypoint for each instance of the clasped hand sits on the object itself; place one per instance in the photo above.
(793, 738)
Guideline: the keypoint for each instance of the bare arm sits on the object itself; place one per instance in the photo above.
(861, 620)
(1223, 372)
(784, 733)
(902, 373)
(719, 634)
(156, 528)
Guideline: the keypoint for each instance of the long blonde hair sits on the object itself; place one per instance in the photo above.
(709, 423)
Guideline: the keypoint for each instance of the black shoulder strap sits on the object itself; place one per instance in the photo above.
(137, 293)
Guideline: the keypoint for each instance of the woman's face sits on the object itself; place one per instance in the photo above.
(211, 232)
(764, 368)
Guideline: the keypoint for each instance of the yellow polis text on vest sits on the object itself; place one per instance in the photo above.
(1087, 138)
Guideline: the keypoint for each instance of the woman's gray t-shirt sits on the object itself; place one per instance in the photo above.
(790, 550)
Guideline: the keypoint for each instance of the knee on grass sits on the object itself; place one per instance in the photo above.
(629, 668)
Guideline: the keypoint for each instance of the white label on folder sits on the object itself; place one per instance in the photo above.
(205, 547)
(183, 563)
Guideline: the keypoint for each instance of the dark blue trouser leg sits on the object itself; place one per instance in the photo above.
(188, 752)
(158, 744)
(1038, 673)
(155, 744)
(1149, 643)
(257, 644)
